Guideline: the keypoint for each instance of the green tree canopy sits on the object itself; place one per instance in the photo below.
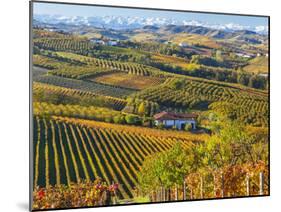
(166, 169)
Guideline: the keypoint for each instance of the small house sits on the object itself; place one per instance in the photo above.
(178, 120)
(112, 43)
(243, 55)
(167, 42)
(51, 29)
(183, 44)
(97, 41)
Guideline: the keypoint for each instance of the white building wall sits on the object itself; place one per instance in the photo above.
(177, 123)
(169, 123)
(180, 122)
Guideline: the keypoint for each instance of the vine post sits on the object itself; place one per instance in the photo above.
(247, 185)
(184, 190)
(201, 187)
(261, 183)
(222, 185)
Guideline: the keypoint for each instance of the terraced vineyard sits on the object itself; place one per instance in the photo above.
(114, 103)
(47, 62)
(87, 86)
(79, 72)
(67, 152)
(248, 106)
(63, 44)
(37, 71)
(128, 67)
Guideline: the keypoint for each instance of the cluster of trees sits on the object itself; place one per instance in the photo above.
(216, 73)
(141, 107)
(232, 147)
(214, 68)
(159, 48)
(124, 57)
(207, 61)
(119, 54)
(165, 169)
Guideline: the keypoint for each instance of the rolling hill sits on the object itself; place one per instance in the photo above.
(257, 65)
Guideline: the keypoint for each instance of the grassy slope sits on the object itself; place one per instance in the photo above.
(194, 39)
(257, 65)
(144, 37)
(177, 61)
(128, 80)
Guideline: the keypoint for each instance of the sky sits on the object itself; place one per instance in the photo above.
(88, 10)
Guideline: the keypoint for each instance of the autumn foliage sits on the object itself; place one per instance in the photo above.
(82, 194)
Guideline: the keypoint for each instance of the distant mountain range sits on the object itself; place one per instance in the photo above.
(120, 22)
(200, 30)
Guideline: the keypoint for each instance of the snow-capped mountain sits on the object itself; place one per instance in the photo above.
(121, 22)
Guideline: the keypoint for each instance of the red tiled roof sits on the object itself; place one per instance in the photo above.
(174, 116)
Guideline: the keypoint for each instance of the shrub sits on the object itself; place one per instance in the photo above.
(188, 127)
(131, 119)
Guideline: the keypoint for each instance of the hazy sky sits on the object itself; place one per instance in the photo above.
(81, 10)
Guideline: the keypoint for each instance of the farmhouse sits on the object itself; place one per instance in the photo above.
(243, 55)
(183, 44)
(112, 43)
(97, 41)
(168, 42)
(104, 42)
(178, 120)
